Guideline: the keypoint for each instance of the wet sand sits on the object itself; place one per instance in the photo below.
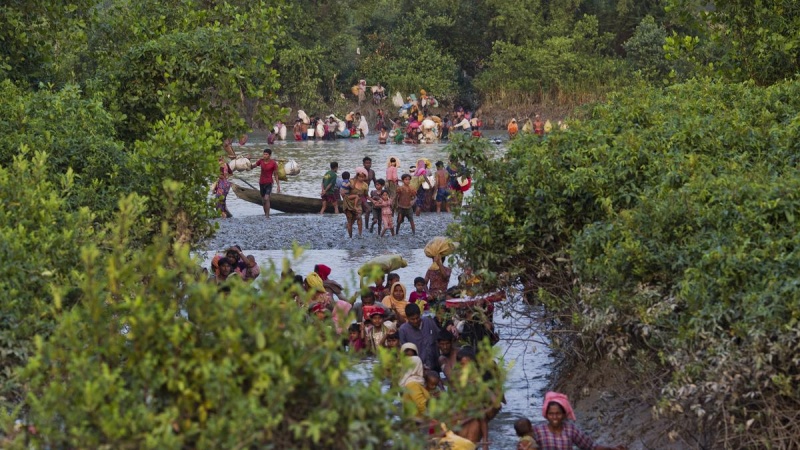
(319, 232)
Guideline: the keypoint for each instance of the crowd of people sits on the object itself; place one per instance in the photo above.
(436, 342)
(394, 199)
(414, 123)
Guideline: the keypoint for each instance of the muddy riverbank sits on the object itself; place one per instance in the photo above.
(319, 232)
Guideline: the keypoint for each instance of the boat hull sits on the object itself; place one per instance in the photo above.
(282, 202)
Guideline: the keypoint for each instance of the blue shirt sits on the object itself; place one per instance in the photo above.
(425, 340)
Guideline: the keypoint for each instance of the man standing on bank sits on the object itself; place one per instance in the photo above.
(268, 175)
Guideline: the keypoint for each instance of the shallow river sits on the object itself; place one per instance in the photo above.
(527, 355)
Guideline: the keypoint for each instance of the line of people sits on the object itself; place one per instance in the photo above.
(399, 196)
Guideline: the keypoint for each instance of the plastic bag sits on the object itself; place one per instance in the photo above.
(452, 441)
(439, 246)
(386, 263)
(291, 167)
(240, 164)
(281, 171)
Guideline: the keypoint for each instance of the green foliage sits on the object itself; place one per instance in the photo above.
(42, 42)
(561, 67)
(665, 223)
(77, 133)
(408, 58)
(300, 76)
(174, 168)
(215, 59)
(753, 40)
(126, 369)
(645, 50)
(39, 237)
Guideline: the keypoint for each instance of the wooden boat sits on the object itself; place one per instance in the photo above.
(282, 202)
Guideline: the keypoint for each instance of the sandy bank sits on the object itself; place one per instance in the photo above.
(317, 232)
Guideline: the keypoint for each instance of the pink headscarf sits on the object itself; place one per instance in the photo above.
(562, 400)
(421, 172)
(363, 171)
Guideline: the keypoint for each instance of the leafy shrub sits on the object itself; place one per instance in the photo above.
(39, 239)
(561, 67)
(664, 225)
(174, 168)
(645, 49)
(125, 368)
(76, 132)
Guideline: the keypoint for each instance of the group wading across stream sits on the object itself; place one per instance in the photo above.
(524, 353)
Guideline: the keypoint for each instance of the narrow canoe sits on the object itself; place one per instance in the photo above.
(282, 202)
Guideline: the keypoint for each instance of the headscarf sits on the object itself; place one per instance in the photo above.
(409, 346)
(399, 306)
(323, 271)
(315, 282)
(396, 161)
(415, 374)
(362, 171)
(421, 168)
(562, 400)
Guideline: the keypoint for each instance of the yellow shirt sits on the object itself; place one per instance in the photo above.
(416, 394)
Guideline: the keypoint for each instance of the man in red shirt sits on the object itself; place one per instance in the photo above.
(268, 176)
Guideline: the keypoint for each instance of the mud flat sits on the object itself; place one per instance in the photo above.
(319, 232)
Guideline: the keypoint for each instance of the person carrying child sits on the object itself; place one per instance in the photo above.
(329, 182)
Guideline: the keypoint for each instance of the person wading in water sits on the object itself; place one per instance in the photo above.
(268, 176)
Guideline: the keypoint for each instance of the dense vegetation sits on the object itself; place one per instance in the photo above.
(662, 231)
(660, 228)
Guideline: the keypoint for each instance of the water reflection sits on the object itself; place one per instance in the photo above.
(527, 355)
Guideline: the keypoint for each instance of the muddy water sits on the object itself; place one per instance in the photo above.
(314, 158)
(270, 242)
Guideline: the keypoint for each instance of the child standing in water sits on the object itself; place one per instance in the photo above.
(385, 205)
(376, 197)
(356, 343)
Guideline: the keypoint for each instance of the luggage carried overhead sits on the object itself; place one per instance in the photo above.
(382, 264)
